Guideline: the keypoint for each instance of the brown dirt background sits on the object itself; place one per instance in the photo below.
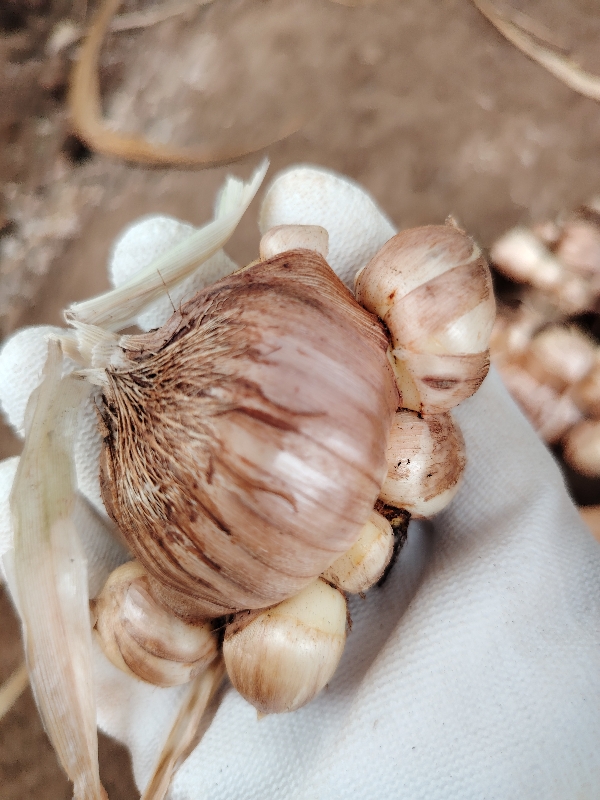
(422, 102)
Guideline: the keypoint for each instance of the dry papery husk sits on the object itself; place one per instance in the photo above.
(245, 439)
(432, 288)
(142, 638)
(47, 570)
(119, 307)
(426, 459)
(50, 574)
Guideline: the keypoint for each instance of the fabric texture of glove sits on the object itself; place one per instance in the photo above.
(471, 673)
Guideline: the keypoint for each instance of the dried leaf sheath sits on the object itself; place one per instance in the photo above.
(51, 576)
(245, 441)
(119, 307)
(185, 733)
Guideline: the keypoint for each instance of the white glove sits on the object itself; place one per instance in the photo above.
(472, 673)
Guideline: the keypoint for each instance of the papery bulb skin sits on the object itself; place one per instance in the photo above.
(144, 639)
(281, 658)
(426, 459)
(433, 289)
(366, 561)
(245, 439)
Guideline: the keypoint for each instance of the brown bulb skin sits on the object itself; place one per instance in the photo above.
(245, 439)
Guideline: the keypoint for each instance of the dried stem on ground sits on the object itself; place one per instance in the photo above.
(13, 689)
(559, 65)
(90, 126)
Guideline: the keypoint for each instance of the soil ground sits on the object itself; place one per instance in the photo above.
(422, 102)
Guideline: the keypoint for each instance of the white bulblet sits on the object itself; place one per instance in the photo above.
(586, 393)
(578, 246)
(550, 412)
(521, 256)
(364, 564)
(432, 288)
(142, 638)
(426, 459)
(314, 196)
(285, 655)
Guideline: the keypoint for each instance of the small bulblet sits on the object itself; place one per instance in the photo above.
(366, 561)
(245, 439)
(426, 459)
(144, 639)
(433, 289)
(282, 657)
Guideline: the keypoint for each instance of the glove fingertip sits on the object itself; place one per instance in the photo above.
(22, 360)
(308, 195)
(141, 242)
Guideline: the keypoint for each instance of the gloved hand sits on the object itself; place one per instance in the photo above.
(471, 673)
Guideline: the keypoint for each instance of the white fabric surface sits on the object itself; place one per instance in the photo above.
(88, 446)
(8, 469)
(472, 673)
(306, 195)
(22, 359)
